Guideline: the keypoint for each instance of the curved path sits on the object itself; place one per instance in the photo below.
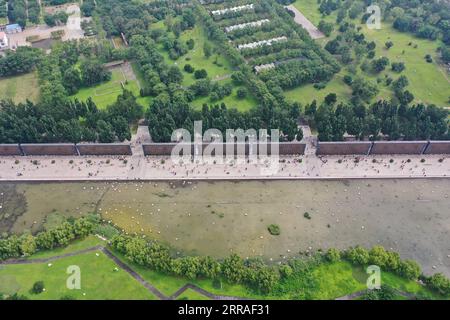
(128, 270)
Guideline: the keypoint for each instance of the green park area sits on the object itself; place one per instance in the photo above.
(428, 82)
(102, 278)
(20, 88)
(106, 93)
(217, 67)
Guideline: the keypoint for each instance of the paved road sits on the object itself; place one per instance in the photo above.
(305, 23)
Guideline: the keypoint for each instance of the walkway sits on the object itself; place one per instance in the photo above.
(305, 23)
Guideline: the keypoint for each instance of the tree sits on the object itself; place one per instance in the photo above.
(241, 93)
(389, 44)
(331, 99)
(72, 80)
(398, 67)
(105, 132)
(401, 83)
(326, 27)
(364, 89)
(127, 107)
(93, 72)
(38, 287)
(207, 50)
(200, 74)
(379, 65)
(28, 245)
(174, 75)
(188, 68)
(446, 54)
(190, 44)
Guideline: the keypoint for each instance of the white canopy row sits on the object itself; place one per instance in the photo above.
(263, 67)
(234, 9)
(261, 43)
(245, 25)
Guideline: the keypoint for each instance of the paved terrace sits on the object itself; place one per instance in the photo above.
(139, 167)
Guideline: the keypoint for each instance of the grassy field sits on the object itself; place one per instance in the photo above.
(106, 93)
(428, 82)
(191, 295)
(100, 280)
(20, 88)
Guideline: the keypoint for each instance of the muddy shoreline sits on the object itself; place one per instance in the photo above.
(220, 217)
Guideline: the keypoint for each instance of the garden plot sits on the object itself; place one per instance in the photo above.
(233, 9)
(261, 43)
(246, 25)
(278, 49)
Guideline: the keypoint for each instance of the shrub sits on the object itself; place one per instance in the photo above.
(439, 283)
(409, 269)
(200, 74)
(274, 229)
(241, 93)
(333, 255)
(38, 287)
(307, 215)
(378, 256)
(285, 271)
(188, 68)
(358, 256)
(384, 293)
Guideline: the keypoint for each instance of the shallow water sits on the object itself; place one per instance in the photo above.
(217, 218)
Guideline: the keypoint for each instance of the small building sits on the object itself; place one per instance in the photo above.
(3, 41)
(13, 28)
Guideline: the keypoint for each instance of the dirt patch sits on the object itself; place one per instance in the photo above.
(12, 206)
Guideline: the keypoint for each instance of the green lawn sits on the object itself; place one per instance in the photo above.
(307, 93)
(428, 82)
(99, 280)
(77, 245)
(190, 294)
(106, 93)
(20, 88)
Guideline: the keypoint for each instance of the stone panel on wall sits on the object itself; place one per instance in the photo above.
(398, 147)
(49, 149)
(344, 148)
(104, 149)
(10, 150)
(438, 147)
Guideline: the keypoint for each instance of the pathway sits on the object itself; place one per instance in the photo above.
(305, 23)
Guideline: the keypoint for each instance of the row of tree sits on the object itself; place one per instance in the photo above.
(68, 121)
(60, 236)
(395, 121)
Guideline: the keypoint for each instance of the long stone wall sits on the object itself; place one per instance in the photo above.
(10, 150)
(104, 149)
(399, 147)
(438, 147)
(344, 148)
(49, 149)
